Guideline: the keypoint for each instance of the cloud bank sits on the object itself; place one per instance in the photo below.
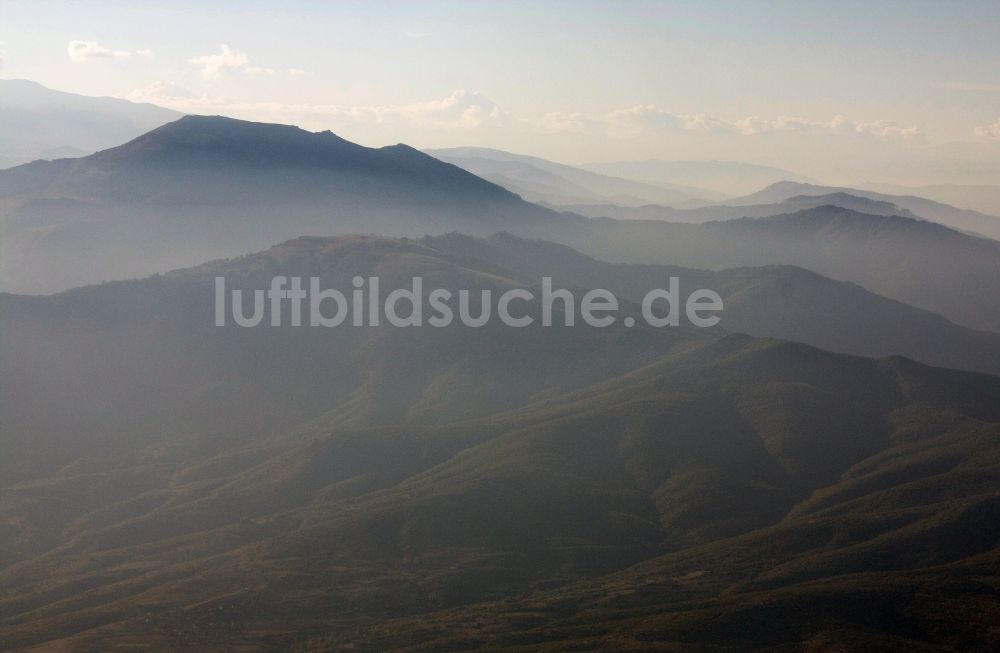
(227, 60)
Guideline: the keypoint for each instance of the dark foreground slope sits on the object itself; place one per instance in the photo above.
(175, 485)
(769, 494)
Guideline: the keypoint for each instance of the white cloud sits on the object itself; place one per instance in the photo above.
(989, 132)
(887, 129)
(296, 72)
(230, 60)
(144, 53)
(84, 51)
(465, 111)
(227, 60)
(462, 110)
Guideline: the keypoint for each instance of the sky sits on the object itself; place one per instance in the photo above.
(845, 91)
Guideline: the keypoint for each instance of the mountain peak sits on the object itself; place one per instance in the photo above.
(203, 139)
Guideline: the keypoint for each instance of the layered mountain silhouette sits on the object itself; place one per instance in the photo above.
(960, 219)
(917, 262)
(726, 212)
(208, 187)
(497, 488)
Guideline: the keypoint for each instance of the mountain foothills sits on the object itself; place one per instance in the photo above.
(208, 187)
(172, 485)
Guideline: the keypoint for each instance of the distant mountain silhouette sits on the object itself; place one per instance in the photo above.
(727, 177)
(726, 212)
(39, 123)
(982, 198)
(538, 180)
(961, 219)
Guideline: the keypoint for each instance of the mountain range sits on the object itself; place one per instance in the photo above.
(916, 262)
(208, 187)
(725, 212)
